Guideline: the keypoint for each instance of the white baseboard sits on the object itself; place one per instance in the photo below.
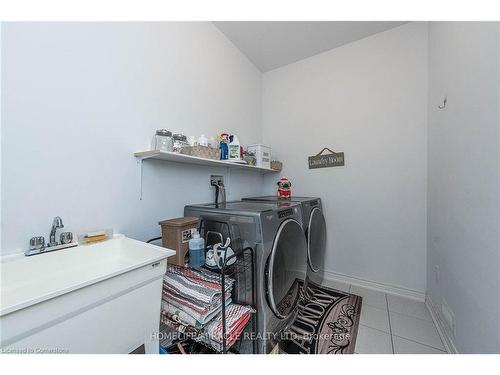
(375, 285)
(446, 338)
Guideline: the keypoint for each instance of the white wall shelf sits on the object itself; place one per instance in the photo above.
(188, 159)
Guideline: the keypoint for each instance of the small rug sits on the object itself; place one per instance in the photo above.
(326, 323)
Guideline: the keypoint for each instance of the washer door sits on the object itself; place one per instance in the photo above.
(316, 240)
(285, 267)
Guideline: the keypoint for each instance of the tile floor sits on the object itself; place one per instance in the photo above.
(392, 324)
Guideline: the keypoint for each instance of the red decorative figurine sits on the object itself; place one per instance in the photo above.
(284, 190)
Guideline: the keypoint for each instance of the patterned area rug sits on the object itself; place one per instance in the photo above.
(326, 323)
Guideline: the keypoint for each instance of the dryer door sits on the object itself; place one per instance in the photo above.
(286, 265)
(316, 239)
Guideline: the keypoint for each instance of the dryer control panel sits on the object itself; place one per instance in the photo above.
(314, 203)
(285, 213)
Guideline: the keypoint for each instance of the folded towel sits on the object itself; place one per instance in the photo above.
(194, 285)
(188, 300)
(195, 294)
(237, 317)
(206, 278)
(189, 316)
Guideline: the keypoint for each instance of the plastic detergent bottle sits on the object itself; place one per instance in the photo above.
(234, 148)
(196, 250)
(224, 151)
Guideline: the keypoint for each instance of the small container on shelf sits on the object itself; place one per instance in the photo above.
(223, 145)
(249, 157)
(163, 140)
(192, 140)
(203, 140)
(234, 149)
(262, 155)
(212, 142)
(201, 152)
(276, 165)
(180, 141)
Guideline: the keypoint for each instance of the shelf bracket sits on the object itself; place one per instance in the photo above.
(139, 175)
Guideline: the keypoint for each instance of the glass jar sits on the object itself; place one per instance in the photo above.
(180, 141)
(163, 140)
(192, 141)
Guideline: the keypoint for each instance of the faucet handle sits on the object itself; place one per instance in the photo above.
(66, 237)
(37, 243)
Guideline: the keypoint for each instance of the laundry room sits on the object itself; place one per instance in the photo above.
(240, 186)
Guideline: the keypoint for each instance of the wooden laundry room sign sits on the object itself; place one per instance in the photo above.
(331, 159)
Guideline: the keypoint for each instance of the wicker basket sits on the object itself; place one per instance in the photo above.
(276, 165)
(201, 152)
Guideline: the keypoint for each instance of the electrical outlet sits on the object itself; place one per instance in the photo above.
(437, 274)
(216, 179)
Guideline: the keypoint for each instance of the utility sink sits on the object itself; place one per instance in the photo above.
(99, 298)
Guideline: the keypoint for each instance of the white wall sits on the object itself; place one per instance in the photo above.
(79, 98)
(368, 99)
(1, 101)
(464, 180)
(1, 84)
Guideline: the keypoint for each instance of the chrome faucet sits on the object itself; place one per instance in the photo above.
(38, 245)
(223, 192)
(219, 188)
(56, 224)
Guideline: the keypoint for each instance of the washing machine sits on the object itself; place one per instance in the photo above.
(314, 225)
(274, 232)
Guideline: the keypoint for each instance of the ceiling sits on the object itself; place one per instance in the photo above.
(272, 44)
